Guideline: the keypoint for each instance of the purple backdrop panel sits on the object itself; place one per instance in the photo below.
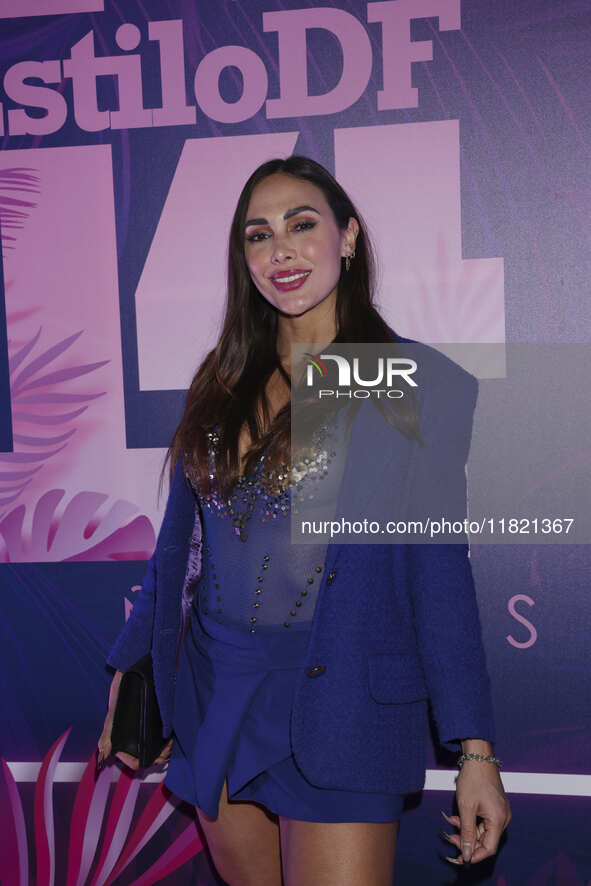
(462, 131)
(10, 9)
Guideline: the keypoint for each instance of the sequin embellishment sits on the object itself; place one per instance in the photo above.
(297, 483)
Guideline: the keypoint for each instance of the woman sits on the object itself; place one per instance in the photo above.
(298, 710)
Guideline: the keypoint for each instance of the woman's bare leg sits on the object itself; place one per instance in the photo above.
(347, 853)
(244, 843)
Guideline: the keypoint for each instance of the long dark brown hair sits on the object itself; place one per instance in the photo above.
(232, 378)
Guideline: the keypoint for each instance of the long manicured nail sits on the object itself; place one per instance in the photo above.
(467, 852)
(453, 860)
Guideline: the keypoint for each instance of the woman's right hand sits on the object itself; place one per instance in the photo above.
(104, 742)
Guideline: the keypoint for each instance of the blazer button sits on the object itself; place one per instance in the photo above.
(316, 671)
(330, 576)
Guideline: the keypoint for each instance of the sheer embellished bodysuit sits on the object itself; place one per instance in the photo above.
(250, 618)
(252, 576)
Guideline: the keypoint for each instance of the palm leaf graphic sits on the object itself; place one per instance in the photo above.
(14, 211)
(108, 848)
(44, 417)
(27, 376)
(36, 408)
(14, 856)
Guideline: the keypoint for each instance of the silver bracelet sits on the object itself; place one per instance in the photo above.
(481, 757)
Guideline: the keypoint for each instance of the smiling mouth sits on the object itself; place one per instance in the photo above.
(290, 281)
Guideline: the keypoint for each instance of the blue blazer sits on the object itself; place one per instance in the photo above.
(395, 626)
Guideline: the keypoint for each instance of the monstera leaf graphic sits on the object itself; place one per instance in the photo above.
(102, 842)
(76, 534)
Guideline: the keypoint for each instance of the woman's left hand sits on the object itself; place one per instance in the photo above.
(479, 792)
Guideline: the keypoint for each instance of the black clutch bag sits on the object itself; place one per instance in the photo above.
(137, 724)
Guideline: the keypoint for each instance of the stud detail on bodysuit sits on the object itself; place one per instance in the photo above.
(258, 590)
(304, 593)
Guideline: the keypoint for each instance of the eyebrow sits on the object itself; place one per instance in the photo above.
(288, 214)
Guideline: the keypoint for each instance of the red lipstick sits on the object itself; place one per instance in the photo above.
(285, 281)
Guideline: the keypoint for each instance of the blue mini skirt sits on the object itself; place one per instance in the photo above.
(233, 700)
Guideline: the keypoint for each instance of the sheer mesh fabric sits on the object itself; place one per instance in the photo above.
(252, 575)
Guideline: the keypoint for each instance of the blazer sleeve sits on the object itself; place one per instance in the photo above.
(444, 604)
(135, 640)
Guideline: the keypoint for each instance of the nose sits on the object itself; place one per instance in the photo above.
(282, 251)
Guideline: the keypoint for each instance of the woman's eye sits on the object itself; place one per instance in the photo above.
(256, 238)
(259, 236)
